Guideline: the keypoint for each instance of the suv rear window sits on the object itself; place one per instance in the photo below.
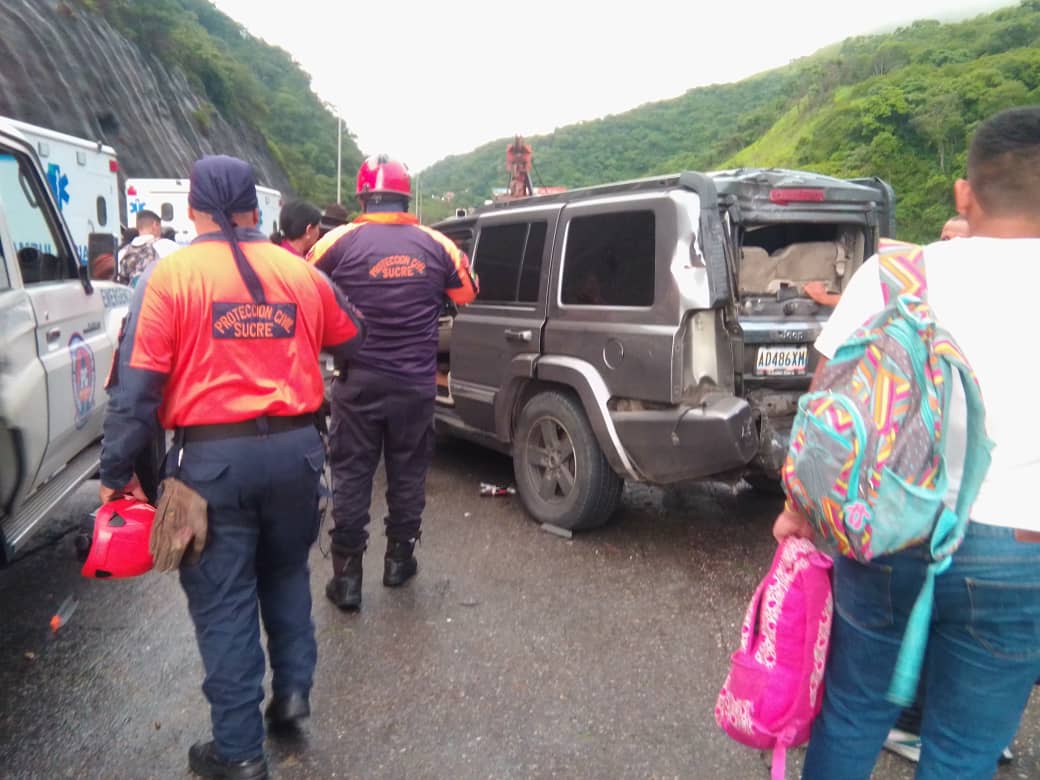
(609, 260)
(508, 261)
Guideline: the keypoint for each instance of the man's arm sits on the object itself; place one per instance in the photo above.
(135, 384)
(461, 284)
(345, 328)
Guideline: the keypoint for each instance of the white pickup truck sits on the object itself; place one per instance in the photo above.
(58, 331)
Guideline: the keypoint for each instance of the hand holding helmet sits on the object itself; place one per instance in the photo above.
(120, 544)
(131, 489)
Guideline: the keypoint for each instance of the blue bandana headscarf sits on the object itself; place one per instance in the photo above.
(222, 186)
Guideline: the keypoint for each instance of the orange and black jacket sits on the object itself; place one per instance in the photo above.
(397, 272)
(197, 350)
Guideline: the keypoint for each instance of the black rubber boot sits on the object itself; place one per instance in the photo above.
(287, 711)
(205, 762)
(344, 589)
(400, 565)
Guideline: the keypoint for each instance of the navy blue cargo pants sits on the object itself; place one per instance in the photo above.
(262, 492)
(376, 414)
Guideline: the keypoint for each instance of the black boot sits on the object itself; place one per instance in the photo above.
(206, 762)
(344, 589)
(287, 711)
(400, 565)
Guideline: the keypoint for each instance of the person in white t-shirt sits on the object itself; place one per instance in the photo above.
(148, 247)
(984, 641)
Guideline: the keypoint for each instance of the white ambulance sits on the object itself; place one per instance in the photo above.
(83, 176)
(169, 199)
(58, 333)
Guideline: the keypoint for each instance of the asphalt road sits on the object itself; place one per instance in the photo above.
(514, 654)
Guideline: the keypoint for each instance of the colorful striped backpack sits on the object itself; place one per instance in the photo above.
(774, 688)
(866, 461)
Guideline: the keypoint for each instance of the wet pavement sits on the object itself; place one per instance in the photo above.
(514, 654)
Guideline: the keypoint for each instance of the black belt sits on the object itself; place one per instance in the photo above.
(258, 426)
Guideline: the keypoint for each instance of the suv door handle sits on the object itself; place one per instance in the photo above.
(53, 335)
(522, 336)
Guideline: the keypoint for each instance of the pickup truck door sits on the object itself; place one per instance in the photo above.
(496, 340)
(12, 466)
(61, 348)
(20, 371)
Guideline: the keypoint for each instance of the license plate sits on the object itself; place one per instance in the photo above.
(781, 361)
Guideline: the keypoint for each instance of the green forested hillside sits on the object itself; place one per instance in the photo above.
(245, 79)
(901, 105)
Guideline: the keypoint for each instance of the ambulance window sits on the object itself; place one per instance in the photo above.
(41, 255)
(5, 276)
(166, 212)
(102, 211)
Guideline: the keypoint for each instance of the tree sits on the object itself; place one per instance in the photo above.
(941, 122)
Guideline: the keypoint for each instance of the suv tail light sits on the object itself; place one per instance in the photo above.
(796, 195)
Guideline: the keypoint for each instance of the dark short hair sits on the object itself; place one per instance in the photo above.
(148, 217)
(1004, 162)
(295, 217)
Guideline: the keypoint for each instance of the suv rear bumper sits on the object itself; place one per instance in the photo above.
(689, 442)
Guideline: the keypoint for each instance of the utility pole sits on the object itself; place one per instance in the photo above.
(339, 155)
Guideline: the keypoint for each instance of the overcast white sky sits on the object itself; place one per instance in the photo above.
(423, 80)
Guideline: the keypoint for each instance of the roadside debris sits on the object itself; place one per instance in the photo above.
(555, 529)
(487, 489)
(61, 617)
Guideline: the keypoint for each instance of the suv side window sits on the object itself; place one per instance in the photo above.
(33, 236)
(509, 262)
(609, 260)
(531, 271)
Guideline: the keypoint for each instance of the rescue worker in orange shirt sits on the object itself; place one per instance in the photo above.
(221, 345)
(397, 272)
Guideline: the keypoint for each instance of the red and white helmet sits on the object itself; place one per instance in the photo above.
(380, 175)
(120, 547)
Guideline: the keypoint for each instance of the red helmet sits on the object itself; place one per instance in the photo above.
(381, 175)
(120, 548)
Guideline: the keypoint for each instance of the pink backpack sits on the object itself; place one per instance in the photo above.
(774, 688)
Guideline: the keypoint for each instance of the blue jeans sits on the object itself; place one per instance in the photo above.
(982, 660)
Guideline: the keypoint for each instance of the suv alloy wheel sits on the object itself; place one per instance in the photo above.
(562, 476)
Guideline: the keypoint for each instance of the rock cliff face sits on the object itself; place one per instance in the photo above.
(69, 71)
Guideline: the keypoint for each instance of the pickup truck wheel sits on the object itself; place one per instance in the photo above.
(562, 476)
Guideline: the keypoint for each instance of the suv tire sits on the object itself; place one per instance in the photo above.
(562, 476)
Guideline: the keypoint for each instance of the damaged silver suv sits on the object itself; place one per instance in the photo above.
(656, 330)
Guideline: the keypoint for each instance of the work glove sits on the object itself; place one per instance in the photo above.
(180, 526)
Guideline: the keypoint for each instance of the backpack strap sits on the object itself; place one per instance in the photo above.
(778, 768)
(950, 525)
(901, 268)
